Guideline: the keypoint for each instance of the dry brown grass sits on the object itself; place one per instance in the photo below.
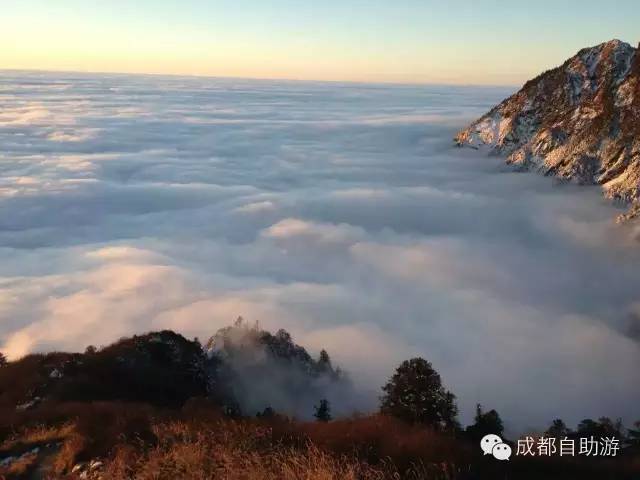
(198, 442)
(75, 432)
(379, 436)
(235, 450)
(27, 446)
(21, 467)
(36, 435)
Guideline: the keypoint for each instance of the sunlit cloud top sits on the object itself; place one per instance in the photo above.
(482, 42)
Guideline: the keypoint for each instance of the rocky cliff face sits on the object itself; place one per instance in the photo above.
(579, 121)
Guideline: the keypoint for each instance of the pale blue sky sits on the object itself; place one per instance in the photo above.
(487, 42)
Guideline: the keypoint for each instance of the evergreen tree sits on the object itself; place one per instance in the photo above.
(268, 412)
(603, 427)
(283, 336)
(485, 423)
(588, 428)
(450, 413)
(634, 435)
(323, 411)
(611, 428)
(3, 360)
(324, 362)
(415, 394)
(558, 429)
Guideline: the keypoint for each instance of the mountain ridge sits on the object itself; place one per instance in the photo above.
(579, 122)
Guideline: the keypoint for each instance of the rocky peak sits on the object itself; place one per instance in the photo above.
(579, 121)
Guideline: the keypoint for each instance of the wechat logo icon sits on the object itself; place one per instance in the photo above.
(493, 445)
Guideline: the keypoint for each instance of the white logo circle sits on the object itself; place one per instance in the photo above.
(501, 451)
(488, 442)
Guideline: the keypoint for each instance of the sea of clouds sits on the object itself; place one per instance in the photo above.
(340, 212)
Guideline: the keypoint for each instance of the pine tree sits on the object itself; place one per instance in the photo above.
(323, 411)
(415, 394)
(603, 427)
(558, 429)
(268, 412)
(283, 336)
(3, 360)
(324, 362)
(634, 435)
(485, 423)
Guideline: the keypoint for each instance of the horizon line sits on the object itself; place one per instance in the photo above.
(263, 79)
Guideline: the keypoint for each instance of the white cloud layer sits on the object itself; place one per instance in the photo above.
(339, 212)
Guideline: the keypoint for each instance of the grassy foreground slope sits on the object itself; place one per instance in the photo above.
(159, 406)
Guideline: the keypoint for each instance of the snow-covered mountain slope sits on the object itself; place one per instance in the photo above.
(579, 121)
